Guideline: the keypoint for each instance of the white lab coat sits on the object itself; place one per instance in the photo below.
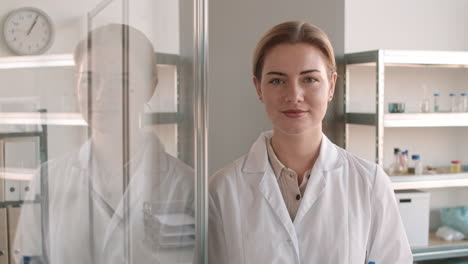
(348, 214)
(159, 179)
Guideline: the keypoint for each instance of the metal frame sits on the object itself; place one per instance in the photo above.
(201, 134)
(379, 107)
(440, 252)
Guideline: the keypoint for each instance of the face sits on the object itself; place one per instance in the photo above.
(295, 87)
(103, 76)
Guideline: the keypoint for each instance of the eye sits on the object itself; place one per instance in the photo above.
(276, 81)
(310, 80)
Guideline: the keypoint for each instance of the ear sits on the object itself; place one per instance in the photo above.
(258, 88)
(331, 91)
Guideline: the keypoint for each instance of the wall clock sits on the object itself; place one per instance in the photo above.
(28, 31)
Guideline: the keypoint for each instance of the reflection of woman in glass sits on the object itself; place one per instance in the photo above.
(86, 190)
(296, 197)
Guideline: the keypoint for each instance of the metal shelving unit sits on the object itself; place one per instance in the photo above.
(439, 249)
(380, 59)
(400, 58)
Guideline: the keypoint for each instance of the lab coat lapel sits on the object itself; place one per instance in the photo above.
(269, 188)
(257, 163)
(154, 165)
(328, 163)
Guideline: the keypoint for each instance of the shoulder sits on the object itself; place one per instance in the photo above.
(227, 176)
(181, 167)
(366, 170)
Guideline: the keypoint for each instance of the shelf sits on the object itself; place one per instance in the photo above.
(452, 59)
(426, 120)
(75, 119)
(5, 204)
(20, 62)
(19, 174)
(430, 181)
(6, 135)
(66, 60)
(162, 118)
(440, 249)
(411, 119)
(34, 118)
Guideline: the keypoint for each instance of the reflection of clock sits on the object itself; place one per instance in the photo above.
(28, 31)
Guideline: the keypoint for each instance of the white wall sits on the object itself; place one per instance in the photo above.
(400, 24)
(410, 25)
(236, 117)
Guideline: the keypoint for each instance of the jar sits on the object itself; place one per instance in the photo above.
(455, 167)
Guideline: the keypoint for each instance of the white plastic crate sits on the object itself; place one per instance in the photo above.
(414, 210)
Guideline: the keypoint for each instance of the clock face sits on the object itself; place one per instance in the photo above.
(28, 31)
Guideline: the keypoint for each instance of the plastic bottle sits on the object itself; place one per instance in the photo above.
(464, 102)
(453, 102)
(418, 166)
(395, 168)
(436, 102)
(404, 162)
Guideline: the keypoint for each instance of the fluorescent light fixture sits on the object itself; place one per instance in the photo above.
(19, 62)
(70, 119)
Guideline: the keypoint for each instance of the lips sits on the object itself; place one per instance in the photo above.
(294, 113)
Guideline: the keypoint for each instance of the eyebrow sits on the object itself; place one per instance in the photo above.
(284, 74)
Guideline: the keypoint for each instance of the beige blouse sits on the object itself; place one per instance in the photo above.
(288, 182)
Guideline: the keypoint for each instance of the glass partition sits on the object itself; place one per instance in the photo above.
(102, 132)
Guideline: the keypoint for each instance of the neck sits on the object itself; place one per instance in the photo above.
(108, 147)
(297, 152)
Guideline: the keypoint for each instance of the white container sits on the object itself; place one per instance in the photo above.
(414, 211)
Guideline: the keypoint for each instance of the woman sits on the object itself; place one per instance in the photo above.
(296, 197)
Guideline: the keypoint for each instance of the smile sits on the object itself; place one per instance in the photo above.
(294, 113)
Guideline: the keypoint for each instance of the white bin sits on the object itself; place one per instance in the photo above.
(414, 210)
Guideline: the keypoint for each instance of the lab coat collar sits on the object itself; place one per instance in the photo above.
(257, 165)
(257, 158)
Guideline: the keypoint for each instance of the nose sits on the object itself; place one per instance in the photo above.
(294, 93)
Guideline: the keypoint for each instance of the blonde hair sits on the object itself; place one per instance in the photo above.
(293, 32)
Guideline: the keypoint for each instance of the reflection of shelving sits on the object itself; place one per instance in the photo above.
(21, 62)
(440, 249)
(74, 119)
(16, 174)
(411, 119)
(429, 181)
(64, 60)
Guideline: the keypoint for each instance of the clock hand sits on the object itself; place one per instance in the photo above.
(32, 26)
